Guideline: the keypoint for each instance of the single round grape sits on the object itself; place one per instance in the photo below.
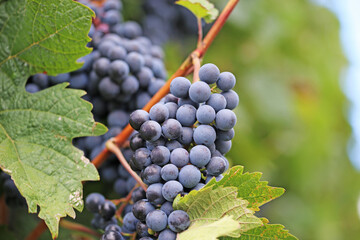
(145, 75)
(130, 183)
(200, 155)
(136, 142)
(232, 99)
(160, 155)
(111, 235)
(94, 201)
(108, 89)
(151, 174)
(138, 194)
(112, 4)
(107, 210)
(132, 29)
(137, 118)
(142, 158)
(223, 146)
(226, 81)
(169, 172)
(183, 101)
(178, 221)
(154, 194)
(189, 176)
(111, 17)
(179, 87)
(101, 66)
(32, 88)
(209, 73)
(167, 208)
(118, 118)
(171, 129)
(142, 230)
(216, 166)
(167, 234)
(172, 107)
(150, 130)
(79, 81)
(130, 85)
(142, 208)
(186, 136)
(217, 101)
(225, 119)
(199, 92)
(186, 115)
(204, 135)
(135, 61)
(130, 221)
(117, 53)
(198, 186)
(154, 144)
(113, 227)
(142, 98)
(104, 47)
(156, 51)
(179, 157)
(225, 135)
(40, 79)
(159, 113)
(171, 189)
(155, 85)
(156, 220)
(205, 114)
(118, 71)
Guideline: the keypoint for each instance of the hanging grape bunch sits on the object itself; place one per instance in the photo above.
(180, 145)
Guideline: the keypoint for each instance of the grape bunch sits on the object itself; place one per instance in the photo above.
(179, 146)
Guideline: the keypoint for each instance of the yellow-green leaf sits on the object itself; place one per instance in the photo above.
(201, 9)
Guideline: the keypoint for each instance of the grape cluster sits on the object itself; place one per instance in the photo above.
(180, 145)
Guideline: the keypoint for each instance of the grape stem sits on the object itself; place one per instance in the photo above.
(196, 64)
(78, 227)
(112, 147)
(185, 69)
(200, 33)
(125, 201)
(38, 231)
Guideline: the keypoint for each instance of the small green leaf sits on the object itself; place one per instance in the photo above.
(249, 187)
(265, 232)
(209, 205)
(210, 231)
(36, 130)
(201, 9)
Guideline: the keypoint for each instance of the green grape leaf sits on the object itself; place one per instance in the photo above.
(249, 187)
(210, 231)
(36, 130)
(265, 232)
(209, 205)
(201, 9)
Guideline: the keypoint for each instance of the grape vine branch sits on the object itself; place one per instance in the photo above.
(185, 69)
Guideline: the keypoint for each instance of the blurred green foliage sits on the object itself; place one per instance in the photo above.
(292, 117)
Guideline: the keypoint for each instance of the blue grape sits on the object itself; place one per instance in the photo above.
(130, 221)
(183, 101)
(130, 85)
(101, 66)
(216, 166)
(223, 146)
(232, 99)
(171, 189)
(135, 61)
(225, 135)
(142, 158)
(160, 155)
(178, 221)
(118, 118)
(179, 157)
(137, 118)
(167, 234)
(171, 129)
(142, 230)
(157, 52)
(156, 220)
(60, 78)
(154, 144)
(118, 71)
(159, 113)
(167, 208)
(173, 144)
(204, 135)
(79, 81)
(42, 80)
(32, 88)
(217, 178)
(226, 81)
(199, 92)
(111, 235)
(132, 29)
(138, 194)
(117, 53)
(119, 187)
(113, 131)
(179, 87)
(112, 4)
(205, 114)
(150, 130)
(113, 227)
(225, 119)
(94, 201)
(217, 101)
(145, 75)
(130, 183)
(109, 174)
(104, 47)
(154, 194)
(151, 174)
(108, 89)
(111, 17)
(189, 176)
(199, 186)
(186, 115)
(169, 172)
(209, 73)
(142, 208)
(186, 136)
(158, 68)
(172, 107)
(142, 98)
(107, 210)
(137, 142)
(200, 155)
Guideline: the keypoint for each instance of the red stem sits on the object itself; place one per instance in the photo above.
(78, 227)
(200, 33)
(38, 231)
(182, 70)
